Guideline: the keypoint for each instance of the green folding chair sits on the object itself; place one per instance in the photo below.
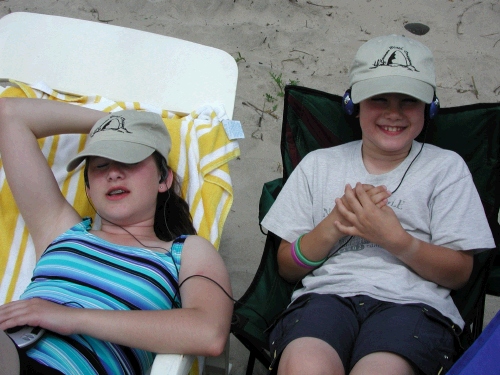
(314, 119)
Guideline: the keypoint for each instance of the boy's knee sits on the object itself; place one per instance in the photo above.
(309, 355)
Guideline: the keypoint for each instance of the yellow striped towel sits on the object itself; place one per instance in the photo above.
(200, 155)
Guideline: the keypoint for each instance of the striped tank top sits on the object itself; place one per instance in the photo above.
(81, 270)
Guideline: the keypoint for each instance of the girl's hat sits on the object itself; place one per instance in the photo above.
(393, 64)
(126, 136)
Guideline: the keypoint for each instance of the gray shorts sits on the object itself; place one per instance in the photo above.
(360, 325)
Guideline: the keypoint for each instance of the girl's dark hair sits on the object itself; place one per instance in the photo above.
(172, 217)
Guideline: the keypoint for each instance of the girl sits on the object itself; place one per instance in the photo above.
(108, 298)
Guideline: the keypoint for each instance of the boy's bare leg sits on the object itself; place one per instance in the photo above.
(9, 359)
(382, 363)
(308, 355)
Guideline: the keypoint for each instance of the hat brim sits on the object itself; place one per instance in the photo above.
(392, 84)
(123, 152)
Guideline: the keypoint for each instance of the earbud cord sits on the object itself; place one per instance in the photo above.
(119, 226)
(174, 303)
(407, 169)
(426, 128)
(175, 265)
(400, 182)
(165, 214)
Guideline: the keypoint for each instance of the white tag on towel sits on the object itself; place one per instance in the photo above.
(233, 129)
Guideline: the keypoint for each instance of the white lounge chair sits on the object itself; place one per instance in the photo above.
(88, 58)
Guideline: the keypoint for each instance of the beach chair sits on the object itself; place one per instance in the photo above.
(313, 119)
(110, 68)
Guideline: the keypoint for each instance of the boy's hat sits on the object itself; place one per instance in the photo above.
(127, 137)
(393, 63)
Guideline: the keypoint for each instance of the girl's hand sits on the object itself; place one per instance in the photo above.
(37, 312)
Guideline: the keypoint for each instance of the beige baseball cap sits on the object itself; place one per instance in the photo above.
(126, 136)
(393, 63)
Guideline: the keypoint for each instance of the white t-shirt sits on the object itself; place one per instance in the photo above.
(437, 202)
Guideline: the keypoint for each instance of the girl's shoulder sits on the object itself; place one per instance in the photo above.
(178, 243)
(194, 245)
(197, 253)
(192, 241)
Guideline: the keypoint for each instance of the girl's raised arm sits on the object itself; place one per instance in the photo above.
(37, 194)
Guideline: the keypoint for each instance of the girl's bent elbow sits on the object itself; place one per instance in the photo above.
(217, 345)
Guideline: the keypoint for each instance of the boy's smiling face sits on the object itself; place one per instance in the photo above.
(390, 122)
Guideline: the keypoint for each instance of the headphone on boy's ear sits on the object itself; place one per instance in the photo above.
(351, 109)
(432, 109)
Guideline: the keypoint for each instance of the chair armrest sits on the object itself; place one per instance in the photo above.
(174, 364)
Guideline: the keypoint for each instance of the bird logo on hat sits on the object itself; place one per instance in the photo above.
(395, 57)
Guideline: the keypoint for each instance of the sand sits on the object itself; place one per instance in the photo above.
(310, 43)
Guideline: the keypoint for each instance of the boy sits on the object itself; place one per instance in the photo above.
(378, 268)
